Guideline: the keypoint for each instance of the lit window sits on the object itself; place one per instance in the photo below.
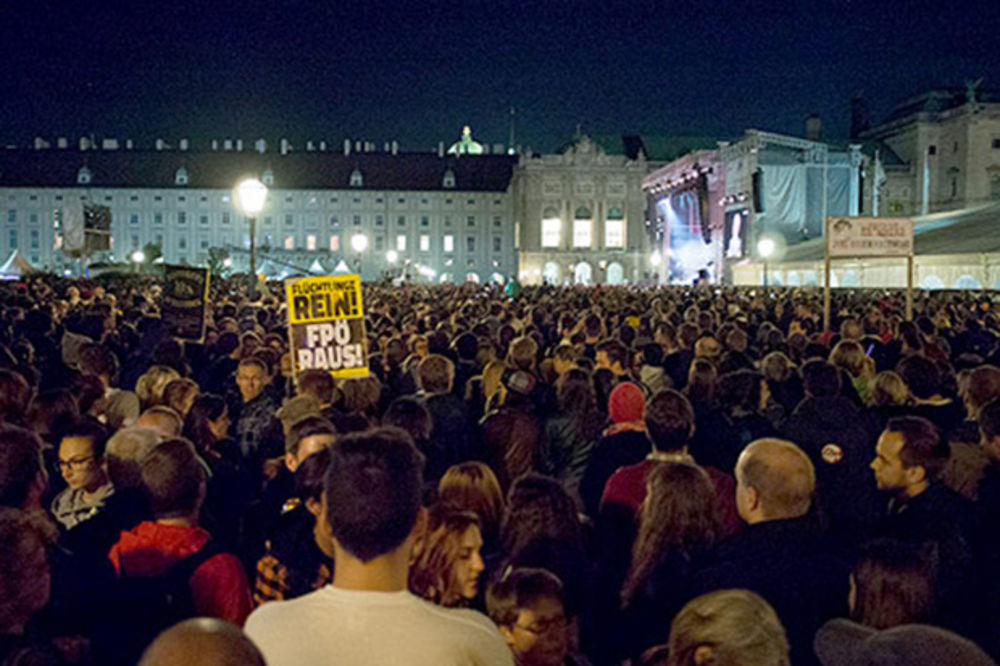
(334, 243)
(551, 232)
(449, 243)
(311, 242)
(401, 243)
(581, 233)
(289, 242)
(614, 233)
(425, 243)
(357, 180)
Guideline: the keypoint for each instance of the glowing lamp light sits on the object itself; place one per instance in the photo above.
(654, 258)
(227, 262)
(138, 256)
(766, 247)
(359, 242)
(250, 196)
(392, 256)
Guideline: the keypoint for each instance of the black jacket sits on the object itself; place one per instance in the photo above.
(792, 566)
(840, 441)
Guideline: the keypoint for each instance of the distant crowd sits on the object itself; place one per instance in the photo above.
(542, 476)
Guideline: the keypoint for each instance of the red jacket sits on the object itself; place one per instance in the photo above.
(219, 586)
(627, 487)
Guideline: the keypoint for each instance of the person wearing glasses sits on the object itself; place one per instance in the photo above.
(527, 606)
(81, 458)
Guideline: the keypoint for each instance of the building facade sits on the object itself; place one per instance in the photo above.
(935, 152)
(435, 216)
(581, 216)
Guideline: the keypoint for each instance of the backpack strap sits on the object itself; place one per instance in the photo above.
(181, 571)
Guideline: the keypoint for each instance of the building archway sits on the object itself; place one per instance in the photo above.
(931, 282)
(551, 273)
(472, 276)
(583, 274)
(616, 273)
(967, 282)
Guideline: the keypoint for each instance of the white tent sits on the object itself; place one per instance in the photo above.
(341, 268)
(16, 266)
(317, 268)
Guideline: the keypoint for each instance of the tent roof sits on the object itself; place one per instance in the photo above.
(966, 231)
(16, 265)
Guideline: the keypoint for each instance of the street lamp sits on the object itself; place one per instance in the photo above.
(359, 243)
(250, 197)
(392, 256)
(765, 248)
(137, 258)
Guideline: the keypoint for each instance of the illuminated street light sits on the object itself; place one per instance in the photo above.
(765, 248)
(251, 194)
(138, 256)
(359, 243)
(655, 258)
(392, 256)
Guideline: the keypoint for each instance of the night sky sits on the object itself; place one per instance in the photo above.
(417, 71)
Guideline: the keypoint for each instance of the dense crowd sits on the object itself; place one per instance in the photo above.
(540, 476)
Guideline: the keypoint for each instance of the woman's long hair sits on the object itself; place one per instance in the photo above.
(472, 486)
(206, 408)
(678, 517)
(432, 571)
(578, 400)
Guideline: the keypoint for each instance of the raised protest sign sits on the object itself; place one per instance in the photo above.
(326, 325)
(870, 236)
(184, 297)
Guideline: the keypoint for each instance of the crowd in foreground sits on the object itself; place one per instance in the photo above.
(571, 476)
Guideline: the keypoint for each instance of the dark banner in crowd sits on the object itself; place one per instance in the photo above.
(326, 325)
(185, 296)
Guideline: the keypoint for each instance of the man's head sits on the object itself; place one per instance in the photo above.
(983, 386)
(989, 428)
(612, 355)
(774, 479)
(202, 642)
(921, 376)
(23, 479)
(411, 415)
(317, 383)
(173, 480)
(372, 492)
(81, 456)
(909, 455)
(564, 358)
(25, 587)
(669, 421)
(820, 379)
(125, 451)
(435, 374)
(96, 359)
(251, 378)
(527, 606)
(306, 437)
(163, 419)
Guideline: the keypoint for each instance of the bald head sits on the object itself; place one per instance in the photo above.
(775, 479)
(202, 642)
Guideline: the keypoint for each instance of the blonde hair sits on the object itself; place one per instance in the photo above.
(850, 356)
(150, 386)
(889, 389)
(738, 626)
(492, 375)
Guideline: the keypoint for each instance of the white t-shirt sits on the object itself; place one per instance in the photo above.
(350, 627)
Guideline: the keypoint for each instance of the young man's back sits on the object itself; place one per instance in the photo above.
(346, 627)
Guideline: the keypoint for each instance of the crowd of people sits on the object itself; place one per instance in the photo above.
(557, 476)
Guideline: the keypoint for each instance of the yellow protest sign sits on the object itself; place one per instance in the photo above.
(326, 325)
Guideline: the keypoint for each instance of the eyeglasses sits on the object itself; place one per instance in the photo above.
(75, 464)
(541, 627)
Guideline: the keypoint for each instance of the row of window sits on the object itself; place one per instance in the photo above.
(313, 200)
(311, 242)
(583, 236)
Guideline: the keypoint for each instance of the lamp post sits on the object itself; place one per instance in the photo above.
(250, 197)
(359, 243)
(765, 248)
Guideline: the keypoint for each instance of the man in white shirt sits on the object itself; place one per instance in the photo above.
(371, 507)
